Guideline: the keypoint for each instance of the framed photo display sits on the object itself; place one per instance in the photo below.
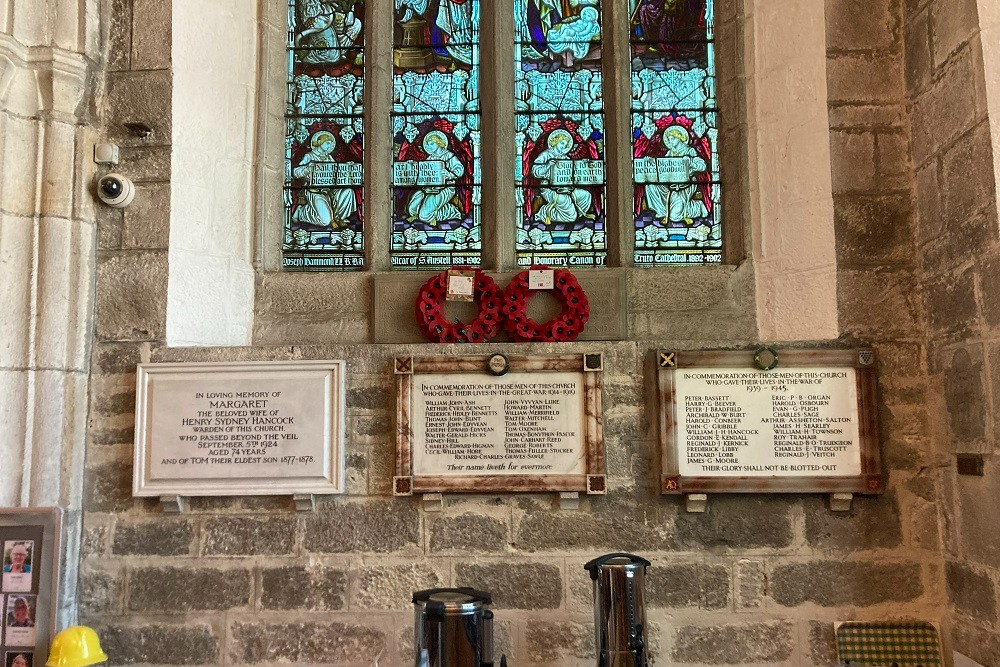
(29, 538)
(794, 421)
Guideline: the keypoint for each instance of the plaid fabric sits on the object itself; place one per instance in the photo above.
(882, 644)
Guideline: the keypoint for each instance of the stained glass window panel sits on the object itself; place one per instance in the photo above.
(676, 203)
(324, 140)
(436, 218)
(559, 172)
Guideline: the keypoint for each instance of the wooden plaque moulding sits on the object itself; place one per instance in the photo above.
(593, 481)
(871, 481)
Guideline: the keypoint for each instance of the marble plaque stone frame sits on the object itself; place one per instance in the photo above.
(592, 481)
(871, 479)
(330, 405)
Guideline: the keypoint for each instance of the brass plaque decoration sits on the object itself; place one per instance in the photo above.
(463, 428)
(736, 422)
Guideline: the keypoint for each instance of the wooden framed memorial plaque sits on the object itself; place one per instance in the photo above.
(485, 424)
(225, 429)
(807, 424)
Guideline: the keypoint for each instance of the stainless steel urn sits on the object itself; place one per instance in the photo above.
(454, 628)
(620, 609)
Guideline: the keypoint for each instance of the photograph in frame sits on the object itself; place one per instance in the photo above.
(19, 622)
(19, 659)
(18, 561)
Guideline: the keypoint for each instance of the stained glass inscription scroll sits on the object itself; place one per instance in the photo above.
(559, 105)
(436, 179)
(324, 140)
(675, 134)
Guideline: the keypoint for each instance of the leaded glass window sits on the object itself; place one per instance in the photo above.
(675, 133)
(324, 141)
(436, 179)
(559, 122)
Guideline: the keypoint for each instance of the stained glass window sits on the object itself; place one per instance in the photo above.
(324, 140)
(559, 123)
(675, 133)
(436, 178)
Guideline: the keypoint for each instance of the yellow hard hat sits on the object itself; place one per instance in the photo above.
(76, 646)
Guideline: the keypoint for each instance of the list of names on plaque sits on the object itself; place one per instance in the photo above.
(238, 426)
(518, 424)
(735, 422)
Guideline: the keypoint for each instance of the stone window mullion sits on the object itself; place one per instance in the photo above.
(497, 84)
(378, 158)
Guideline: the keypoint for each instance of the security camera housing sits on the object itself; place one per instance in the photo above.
(115, 190)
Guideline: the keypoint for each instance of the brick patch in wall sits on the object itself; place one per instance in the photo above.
(337, 643)
(375, 526)
(548, 642)
(872, 523)
(738, 522)
(174, 590)
(971, 592)
(162, 644)
(468, 532)
(159, 537)
(687, 585)
(733, 644)
(238, 536)
(515, 585)
(392, 586)
(297, 587)
(839, 583)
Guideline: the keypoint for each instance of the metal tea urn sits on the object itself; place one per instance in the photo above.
(454, 628)
(620, 609)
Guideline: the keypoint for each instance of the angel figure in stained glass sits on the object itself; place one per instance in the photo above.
(322, 207)
(434, 204)
(686, 196)
(563, 203)
(328, 28)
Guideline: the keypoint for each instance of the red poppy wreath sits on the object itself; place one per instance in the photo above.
(567, 326)
(434, 323)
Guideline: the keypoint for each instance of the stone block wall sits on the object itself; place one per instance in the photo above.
(956, 234)
(756, 580)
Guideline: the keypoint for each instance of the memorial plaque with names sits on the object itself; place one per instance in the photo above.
(808, 425)
(259, 428)
(485, 424)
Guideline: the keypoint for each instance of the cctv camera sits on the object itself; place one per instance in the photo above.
(115, 190)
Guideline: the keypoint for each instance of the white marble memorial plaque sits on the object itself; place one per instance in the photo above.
(734, 422)
(239, 429)
(517, 424)
(768, 421)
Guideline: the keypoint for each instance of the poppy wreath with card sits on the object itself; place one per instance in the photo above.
(434, 323)
(567, 326)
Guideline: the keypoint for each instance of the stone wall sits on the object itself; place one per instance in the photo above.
(248, 581)
(756, 580)
(957, 240)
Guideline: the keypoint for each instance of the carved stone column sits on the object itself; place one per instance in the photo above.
(47, 262)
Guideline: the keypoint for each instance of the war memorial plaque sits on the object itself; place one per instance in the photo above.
(487, 424)
(260, 428)
(728, 423)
